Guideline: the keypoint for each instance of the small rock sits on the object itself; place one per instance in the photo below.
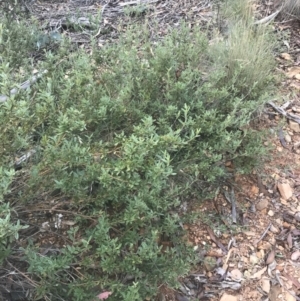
(286, 225)
(271, 213)
(285, 190)
(288, 138)
(265, 285)
(236, 274)
(227, 297)
(262, 205)
(274, 229)
(294, 126)
(279, 148)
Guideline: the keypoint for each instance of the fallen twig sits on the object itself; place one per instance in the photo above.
(233, 206)
(264, 234)
(25, 85)
(277, 275)
(99, 31)
(282, 139)
(137, 2)
(24, 158)
(284, 113)
(215, 240)
(268, 19)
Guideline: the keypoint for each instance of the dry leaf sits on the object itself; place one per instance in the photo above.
(104, 295)
(258, 274)
(249, 233)
(274, 292)
(296, 232)
(286, 56)
(293, 280)
(289, 240)
(68, 223)
(289, 297)
(285, 190)
(215, 240)
(271, 257)
(265, 285)
(296, 255)
(292, 72)
(271, 267)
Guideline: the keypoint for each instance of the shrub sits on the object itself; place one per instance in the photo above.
(127, 134)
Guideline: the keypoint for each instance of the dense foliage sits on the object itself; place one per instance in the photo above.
(125, 135)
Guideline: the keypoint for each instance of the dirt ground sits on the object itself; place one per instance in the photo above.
(255, 254)
(249, 242)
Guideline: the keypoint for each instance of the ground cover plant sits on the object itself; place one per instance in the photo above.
(122, 136)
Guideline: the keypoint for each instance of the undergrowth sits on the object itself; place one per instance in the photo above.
(123, 136)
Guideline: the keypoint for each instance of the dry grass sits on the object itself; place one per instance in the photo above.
(291, 8)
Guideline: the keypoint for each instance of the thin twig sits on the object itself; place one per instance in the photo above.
(99, 31)
(233, 206)
(34, 284)
(284, 113)
(25, 85)
(268, 19)
(264, 234)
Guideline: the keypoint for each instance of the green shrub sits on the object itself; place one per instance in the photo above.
(126, 135)
(8, 230)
